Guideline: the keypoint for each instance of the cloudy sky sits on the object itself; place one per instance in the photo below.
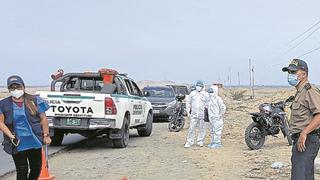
(178, 40)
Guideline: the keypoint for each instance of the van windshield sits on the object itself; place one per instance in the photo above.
(160, 92)
(180, 90)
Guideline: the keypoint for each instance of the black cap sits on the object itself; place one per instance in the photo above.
(14, 80)
(295, 65)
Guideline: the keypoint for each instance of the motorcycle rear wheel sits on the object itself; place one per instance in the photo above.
(254, 137)
(176, 125)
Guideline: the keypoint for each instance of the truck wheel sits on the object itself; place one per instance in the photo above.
(124, 141)
(147, 129)
(57, 138)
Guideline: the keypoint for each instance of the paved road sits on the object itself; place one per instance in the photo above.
(7, 164)
(160, 156)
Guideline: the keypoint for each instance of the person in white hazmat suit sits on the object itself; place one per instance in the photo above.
(216, 109)
(196, 103)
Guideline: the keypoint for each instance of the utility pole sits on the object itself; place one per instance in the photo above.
(250, 80)
(239, 79)
(253, 79)
(250, 76)
(230, 77)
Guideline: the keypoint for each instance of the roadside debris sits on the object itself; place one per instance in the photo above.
(278, 165)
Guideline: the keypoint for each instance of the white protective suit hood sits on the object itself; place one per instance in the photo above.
(215, 91)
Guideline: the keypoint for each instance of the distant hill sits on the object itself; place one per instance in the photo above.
(145, 83)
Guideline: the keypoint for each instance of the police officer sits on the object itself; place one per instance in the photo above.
(305, 121)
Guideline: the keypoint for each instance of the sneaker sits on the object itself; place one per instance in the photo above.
(187, 145)
(201, 144)
(209, 146)
(215, 146)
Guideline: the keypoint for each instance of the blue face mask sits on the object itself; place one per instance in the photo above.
(293, 79)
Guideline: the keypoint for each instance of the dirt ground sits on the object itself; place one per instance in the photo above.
(162, 155)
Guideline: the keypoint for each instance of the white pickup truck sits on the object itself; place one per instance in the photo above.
(81, 106)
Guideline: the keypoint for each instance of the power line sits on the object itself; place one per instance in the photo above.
(280, 63)
(316, 49)
(304, 32)
(309, 52)
(300, 35)
(303, 39)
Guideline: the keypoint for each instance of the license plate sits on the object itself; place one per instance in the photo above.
(156, 111)
(73, 122)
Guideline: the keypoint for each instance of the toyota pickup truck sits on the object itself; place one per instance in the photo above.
(83, 105)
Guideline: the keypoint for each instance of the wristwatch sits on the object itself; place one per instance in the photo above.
(46, 135)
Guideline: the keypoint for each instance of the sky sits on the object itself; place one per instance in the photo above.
(177, 40)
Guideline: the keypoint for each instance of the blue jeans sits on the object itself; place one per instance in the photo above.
(303, 162)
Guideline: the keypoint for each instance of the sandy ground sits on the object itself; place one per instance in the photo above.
(162, 155)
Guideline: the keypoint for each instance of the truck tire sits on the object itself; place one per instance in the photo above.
(147, 129)
(124, 140)
(57, 138)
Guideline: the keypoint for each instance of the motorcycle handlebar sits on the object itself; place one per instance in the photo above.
(290, 99)
(283, 103)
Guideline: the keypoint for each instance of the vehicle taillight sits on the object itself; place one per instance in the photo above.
(110, 107)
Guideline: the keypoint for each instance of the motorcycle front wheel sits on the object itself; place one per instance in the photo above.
(254, 137)
(176, 125)
(287, 131)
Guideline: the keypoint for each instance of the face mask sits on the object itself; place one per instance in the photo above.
(17, 93)
(198, 88)
(293, 79)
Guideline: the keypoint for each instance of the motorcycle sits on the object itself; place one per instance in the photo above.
(270, 119)
(176, 112)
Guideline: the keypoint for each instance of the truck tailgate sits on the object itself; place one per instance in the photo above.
(73, 104)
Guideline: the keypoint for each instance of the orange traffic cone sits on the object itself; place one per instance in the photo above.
(45, 175)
